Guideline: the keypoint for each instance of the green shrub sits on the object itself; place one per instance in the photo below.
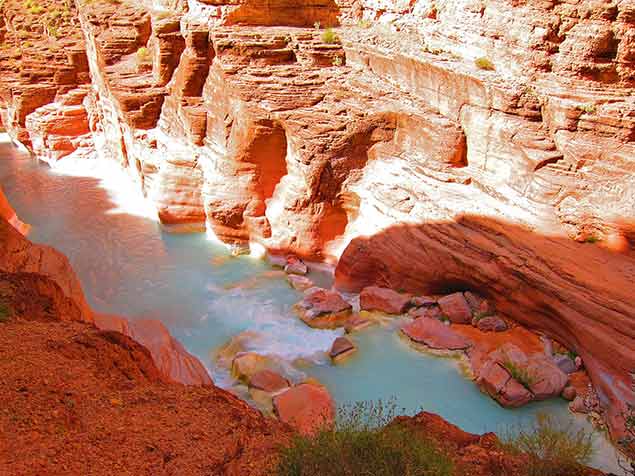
(362, 442)
(337, 61)
(330, 37)
(484, 63)
(551, 448)
(143, 56)
(588, 108)
(592, 239)
(521, 375)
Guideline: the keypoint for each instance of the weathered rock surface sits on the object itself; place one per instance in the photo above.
(455, 307)
(306, 407)
(374, 298)
(301, 283)
(491, 324)
(514, 379)
(323, 309)
(391, 148)
(436, 335)
(268, 381)
(19, 255)
(8, 213)
(168, 354)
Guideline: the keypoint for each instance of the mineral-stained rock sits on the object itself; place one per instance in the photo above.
(306, 407)
(374, 298)
(268, 381)
(341, 348)
(491, 324)
(435, 335)
(456, 308)
(295, 266)
(8, 213)
(323, 309)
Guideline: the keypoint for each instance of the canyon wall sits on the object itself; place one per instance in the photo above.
(432, 145)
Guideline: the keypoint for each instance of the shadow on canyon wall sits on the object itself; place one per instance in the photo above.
(577, 293)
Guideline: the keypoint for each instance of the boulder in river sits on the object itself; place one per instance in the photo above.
(295, 266)
(374, 298)
(268, 381)
(247, 364)
(323, 309)
(423, 301)
(357, 322)
(301, 283)
(435, 335)
(341, 348)
(429, 312)
(306, 407)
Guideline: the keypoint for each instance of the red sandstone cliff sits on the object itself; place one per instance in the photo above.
(450, 144)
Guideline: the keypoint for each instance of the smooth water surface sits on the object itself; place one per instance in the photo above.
(129, 265)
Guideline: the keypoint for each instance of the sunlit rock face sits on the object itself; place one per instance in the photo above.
(449, 144)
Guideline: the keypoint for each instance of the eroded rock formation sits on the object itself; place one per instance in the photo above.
(433, 145)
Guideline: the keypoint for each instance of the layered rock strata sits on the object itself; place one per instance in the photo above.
(425, 146)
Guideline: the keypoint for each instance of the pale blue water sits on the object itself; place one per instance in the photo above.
(128, 265)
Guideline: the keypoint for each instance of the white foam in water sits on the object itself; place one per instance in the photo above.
(116, 181)
(275, 333)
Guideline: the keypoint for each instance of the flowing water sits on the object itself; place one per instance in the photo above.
(129, 265)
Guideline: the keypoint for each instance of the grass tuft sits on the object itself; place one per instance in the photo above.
(551, 448)
(363, 442)
(521, 375)
(484, 63)
(330, 37)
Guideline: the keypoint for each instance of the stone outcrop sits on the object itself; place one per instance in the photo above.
(168, 354)
(19, 255)
(374, 298)
(435, 335)
(323, 309)
(427, 147)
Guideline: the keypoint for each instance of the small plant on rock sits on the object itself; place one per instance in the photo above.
(551, 448)
(587, 108)
(143, 56)
(363, 442)
(330, 37)
(337, 61)
(521, 375)
(484, 63)
(317, 25)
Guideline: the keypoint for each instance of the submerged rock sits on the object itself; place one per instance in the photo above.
(386, 300)
(342, 348)
(357, 323)
(306, 407)
(456, 308)
(323, 309)
(301, 283)
(268, 381)
(435, 335)
(247, 364)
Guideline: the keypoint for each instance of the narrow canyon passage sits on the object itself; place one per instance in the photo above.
(129, 265)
